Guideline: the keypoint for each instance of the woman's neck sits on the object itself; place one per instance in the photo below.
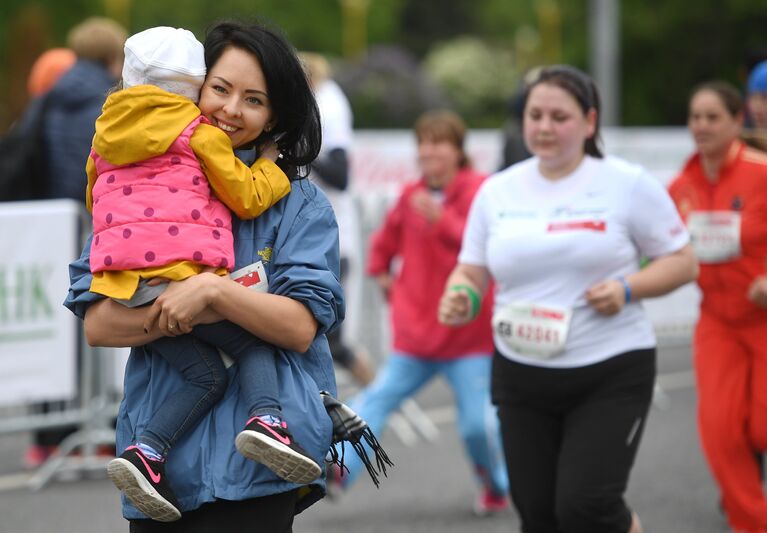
(711, 164)
(440, 182)
(557, 172)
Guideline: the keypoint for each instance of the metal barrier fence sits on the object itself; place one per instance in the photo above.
(42, 356)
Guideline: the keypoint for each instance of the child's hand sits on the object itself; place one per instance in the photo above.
(270, 151)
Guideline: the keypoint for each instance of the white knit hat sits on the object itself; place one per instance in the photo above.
(169, 58)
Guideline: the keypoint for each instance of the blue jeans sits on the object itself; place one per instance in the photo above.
(196, 357)
(469, 378)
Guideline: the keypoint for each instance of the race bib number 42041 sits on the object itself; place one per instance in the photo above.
(533, 330)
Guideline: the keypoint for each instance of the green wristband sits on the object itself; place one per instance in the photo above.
(473, 296)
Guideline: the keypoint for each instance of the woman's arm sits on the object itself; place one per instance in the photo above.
(465, 284)
(205, 298)
(108, 323)
(276, 319)
(660, 277)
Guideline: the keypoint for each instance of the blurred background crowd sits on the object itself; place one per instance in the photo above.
(395, 58)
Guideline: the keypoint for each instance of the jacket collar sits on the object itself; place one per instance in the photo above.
(694, 166)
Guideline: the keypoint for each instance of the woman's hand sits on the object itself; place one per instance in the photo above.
(757, 292)
(427, 206)
(607, 297)
(454, 308)
(184, 304)
(384, 282)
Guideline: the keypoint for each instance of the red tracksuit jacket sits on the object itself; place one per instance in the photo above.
(742, 186)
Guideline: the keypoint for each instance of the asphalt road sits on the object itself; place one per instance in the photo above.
(429, 490)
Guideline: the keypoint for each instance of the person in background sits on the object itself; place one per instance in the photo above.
(72, 105)
(47, 69)
(756, 106)
(75, 103)
(562, 234)
(423, 230)
(514, 148)
(331, 172)
(721, 193)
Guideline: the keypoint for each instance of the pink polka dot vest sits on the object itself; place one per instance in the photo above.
(157, 211)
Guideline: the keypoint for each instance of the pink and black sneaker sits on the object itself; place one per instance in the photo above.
(272, 445)
(144, 484)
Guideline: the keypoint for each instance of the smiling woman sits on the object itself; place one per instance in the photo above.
(293, 247)
(234, 97)
(257, 96)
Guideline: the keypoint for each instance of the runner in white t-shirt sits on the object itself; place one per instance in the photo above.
(562, 235)
(546, 242)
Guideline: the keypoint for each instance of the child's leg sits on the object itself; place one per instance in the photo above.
(203, 370)
(140, 470)
(259, 386)
(265, 438)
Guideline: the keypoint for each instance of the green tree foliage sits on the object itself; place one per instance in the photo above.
(424, 22)
(477, 78)
(670, 47)
(666, 47)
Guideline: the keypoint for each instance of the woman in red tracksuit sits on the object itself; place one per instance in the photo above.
(722, 195)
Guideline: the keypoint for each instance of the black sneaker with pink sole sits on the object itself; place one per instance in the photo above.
(273, 446)
(144, 483)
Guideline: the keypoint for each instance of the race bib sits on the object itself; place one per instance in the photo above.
(533, 330)
(252, 276)
(715, 235)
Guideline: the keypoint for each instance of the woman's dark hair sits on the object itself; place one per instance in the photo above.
(727, 93)
(582, 88)
(297, 128)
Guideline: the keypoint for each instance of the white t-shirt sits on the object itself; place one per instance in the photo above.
(547, 241)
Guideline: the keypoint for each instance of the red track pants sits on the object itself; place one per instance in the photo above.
(731, 371)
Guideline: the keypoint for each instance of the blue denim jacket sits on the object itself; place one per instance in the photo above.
(297, 240)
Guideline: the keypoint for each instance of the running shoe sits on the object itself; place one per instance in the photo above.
(272, 445)
(489, 504)
(334, 481)
(144, 483)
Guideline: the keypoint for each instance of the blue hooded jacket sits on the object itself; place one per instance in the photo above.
(74, 104)
(297, 240)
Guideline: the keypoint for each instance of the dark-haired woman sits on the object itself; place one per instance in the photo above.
(293, 249)
(722, 194)
(562, 234)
